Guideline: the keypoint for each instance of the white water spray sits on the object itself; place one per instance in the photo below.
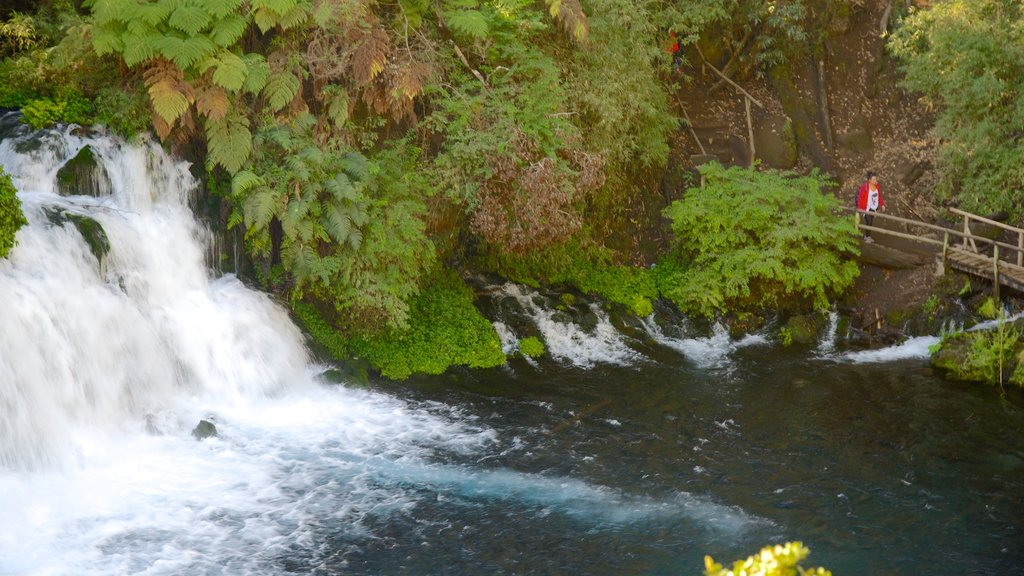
(105, 369)
(569, 342)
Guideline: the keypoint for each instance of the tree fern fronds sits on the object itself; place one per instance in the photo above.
(189, 18)
(257, 73)
(213, 103)
(245, 180)
(471, 23)
(230, 70)
(229, 141)
(222, 8)
(226, 31)
(281, 88)
(170, 95)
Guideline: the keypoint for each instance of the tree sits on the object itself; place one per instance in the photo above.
(967, 58)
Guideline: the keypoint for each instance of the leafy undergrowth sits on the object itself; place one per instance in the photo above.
(445, 329)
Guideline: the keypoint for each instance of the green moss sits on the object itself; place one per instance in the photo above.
(11, 216)
(445, 329)
(531, 346)
(586, 268)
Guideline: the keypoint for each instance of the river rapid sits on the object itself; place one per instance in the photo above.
(621, 452)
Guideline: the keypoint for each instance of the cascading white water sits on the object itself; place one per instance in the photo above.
(567, 341)
(105, 369)
(705, 351)
(81, 344)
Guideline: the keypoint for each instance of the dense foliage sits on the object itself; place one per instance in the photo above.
(967, 57)
(778, 560)
(11, 217)
(444, 329)
(365, 147)
(749, 240)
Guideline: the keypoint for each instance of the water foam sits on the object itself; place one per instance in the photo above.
(568, 341)
(705, 351)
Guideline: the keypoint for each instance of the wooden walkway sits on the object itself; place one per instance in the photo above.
(977, 248)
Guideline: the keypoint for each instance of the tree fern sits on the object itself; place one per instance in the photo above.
(257, 73)
(227, 30)
(281, 88)
(230, 70)
(470, 23)
(229, 141)
(189, 18)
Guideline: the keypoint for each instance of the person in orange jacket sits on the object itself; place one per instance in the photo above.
(869, 199)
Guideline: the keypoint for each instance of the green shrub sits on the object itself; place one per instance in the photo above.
(532, 347)
(750, 240)
(778, 560)
(11, 216)
(72, 108)
(445, 329)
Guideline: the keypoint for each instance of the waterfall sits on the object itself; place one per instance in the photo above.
(109, 358)
(82, 343)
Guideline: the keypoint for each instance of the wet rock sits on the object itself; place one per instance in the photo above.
(803, 329)
(83, 175)
(91, 230)
(205, 429)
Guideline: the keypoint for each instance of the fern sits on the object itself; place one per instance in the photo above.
(257, 73)
(222, 8)
(229, 141)
(189, 18)
(471, 23)
(169, 94)
(230, 71)
(281, 88)
(213, 103)
(228, 30)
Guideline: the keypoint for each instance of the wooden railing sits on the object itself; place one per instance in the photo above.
(1005, 257)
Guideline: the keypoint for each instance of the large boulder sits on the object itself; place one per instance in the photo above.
(775, 142)
(83, 175)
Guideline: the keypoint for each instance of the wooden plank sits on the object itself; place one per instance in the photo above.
(958, 233)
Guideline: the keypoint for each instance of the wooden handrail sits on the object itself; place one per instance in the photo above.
(958, 233)
(986, 220)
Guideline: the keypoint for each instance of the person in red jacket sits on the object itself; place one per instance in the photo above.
(677, 51)
(869, 199)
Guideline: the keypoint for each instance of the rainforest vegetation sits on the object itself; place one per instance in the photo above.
(374, 153)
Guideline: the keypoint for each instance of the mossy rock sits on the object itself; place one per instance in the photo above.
(775, 142)
(83, 175)
(802, 329)
(531, 347)
(91, 230)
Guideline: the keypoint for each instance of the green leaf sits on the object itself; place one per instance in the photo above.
(185, 52)
(245, 180)
(297, 16)
(222, 8)
(139, 49)
(337, 223)
(189, 18)
(231, 71)
(229, 141)
(281, 89)
(258, 71)
(228, 30)
(470, 23)
(260, 207)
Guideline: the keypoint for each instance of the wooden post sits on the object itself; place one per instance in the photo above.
(945, 249)
(750, 130)
(1020, 249)
(967, 230)
(995, 272)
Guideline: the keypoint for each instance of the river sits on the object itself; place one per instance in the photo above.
(633, 452)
